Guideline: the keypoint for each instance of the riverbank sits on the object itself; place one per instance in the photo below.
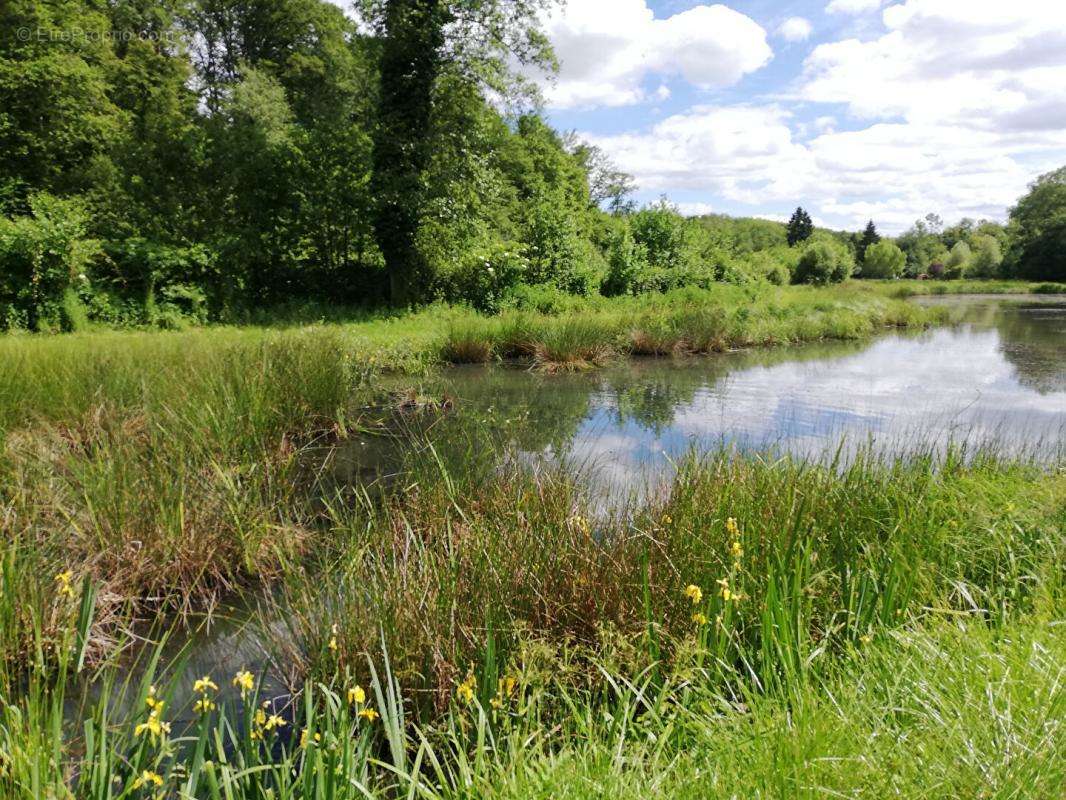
(58, 379)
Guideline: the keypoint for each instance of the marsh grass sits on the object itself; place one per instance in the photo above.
(684, 321)
(830, 555)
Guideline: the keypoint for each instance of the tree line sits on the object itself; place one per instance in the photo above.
(164, 160)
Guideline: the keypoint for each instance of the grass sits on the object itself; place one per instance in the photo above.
(684, 321)
(903, 289)
(889, 627)
(898, 629)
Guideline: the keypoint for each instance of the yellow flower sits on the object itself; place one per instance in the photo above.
(667, 519)
(369, 714)
(465, 690)
(699, 619)
(579, 523)
(694, 593)
(732, 528)
(303, 737)
(64, 579)
(203, 706)
(866, 638)
(504, 689)
(260, 717)
(244, 681)
(274, 722)
(204, 685)
(736, 549)
(726, 594)
(153, 726)
(148, 777)
(356, 696)
(151, 701)
(333, 639)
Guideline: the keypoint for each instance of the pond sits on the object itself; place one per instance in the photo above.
(998, 377)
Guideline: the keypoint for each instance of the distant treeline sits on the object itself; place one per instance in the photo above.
(195, 159)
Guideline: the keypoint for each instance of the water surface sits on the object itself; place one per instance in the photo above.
(997, 377)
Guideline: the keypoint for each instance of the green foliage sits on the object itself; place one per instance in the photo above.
(869, 237)
(824, 261)
(44, 260)
(1038, 225)
(800, 227)
(487, 277)
(958, 260)
(883, 260)
(986, 258)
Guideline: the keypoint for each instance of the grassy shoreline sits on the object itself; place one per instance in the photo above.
(537, 645)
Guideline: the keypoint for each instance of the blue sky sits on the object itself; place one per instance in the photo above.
(855, 109)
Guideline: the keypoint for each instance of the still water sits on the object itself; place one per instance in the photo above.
(997, 377)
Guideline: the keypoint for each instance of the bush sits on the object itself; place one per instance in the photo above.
(487, 276)
(824, 261)
(42, 258)
(627, 265)
(883, 260)
(544, 298)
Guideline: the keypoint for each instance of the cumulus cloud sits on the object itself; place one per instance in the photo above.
(986, 65)
(892, 172)
(852, 6)
(794, 29)
(608, 49)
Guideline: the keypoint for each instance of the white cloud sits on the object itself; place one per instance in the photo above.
(609, 48)
(794, 29)
(892, 172)
(988, 65)
(852, 6)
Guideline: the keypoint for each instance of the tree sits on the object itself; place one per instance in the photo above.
(958, 260)
(608, 185)
(987, 257)
(800, 227)
(869, 237)
(824, 261)
(478, 40)
(1038, 226)
(883, 260)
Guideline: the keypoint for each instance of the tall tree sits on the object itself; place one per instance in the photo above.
(477, 40)
(1038, 223)
(869, 237)
(800, 227)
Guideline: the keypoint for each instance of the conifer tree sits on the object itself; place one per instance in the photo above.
(870, 236)
(800, 227)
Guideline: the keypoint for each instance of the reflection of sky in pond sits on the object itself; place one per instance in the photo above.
(970, 383)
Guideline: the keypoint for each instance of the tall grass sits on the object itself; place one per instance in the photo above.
(685, 321)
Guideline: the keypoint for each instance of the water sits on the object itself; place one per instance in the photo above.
(998, 377)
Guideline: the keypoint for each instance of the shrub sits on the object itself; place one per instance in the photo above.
(627, 265)
(824, 261)
(42, 257)
(487, 276)
(883, 260)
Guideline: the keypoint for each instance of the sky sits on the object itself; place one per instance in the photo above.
(855, 109)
